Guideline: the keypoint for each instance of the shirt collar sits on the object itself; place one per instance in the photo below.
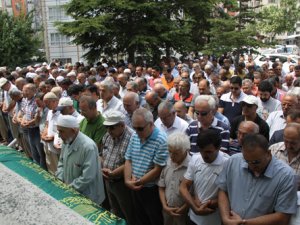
(269, 171)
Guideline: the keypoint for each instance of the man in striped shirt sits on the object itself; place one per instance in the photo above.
(146, 154)
(205, 106)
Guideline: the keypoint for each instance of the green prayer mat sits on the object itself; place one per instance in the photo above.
(68, 196)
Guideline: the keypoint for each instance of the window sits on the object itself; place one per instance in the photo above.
(63, 60)
(57, 13)
(59, 39)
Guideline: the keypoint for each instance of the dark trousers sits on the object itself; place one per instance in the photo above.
(36, 147)
(147, 206)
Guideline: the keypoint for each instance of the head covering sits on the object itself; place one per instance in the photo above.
(3, 81)
(50, 95)
(65, 101)
(59, 79)
(67, 121)
(127, 71)
(72, 73)
(113, 118)
(251, 100)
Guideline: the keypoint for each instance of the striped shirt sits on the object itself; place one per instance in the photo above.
(195, 127)
(29, 109)
(143, 156)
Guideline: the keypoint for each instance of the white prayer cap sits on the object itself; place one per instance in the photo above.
(67, 121)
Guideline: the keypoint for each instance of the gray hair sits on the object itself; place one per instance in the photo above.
(15, 93)
(245, 81)
(254, 126)
(179, 141)
(107, 84)
(209, 99)
(145, 113)
(295, 91)
(293, 125)
(133, 84)
(133, 96)
(90, 101)
(166, 105)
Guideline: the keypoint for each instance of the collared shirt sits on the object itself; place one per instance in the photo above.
(167, 84)
(231, 109)
(279, 151)
(204, 176)
(179, 125)
(143, 156)
(195, 127)
(251, 196)
(114, 149)
(276, 121)
(170, 178)
(52, 129)
(79, 167)
(93, 129)
(114, 104)
(7, 98)
(29, 109)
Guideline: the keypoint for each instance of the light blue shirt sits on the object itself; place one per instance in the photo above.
(250, 196)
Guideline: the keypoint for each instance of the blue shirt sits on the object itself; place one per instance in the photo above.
(250, 196)
(143, 156)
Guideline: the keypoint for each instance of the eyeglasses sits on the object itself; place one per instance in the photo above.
(253, 162)
(140, 129)
(203, 113)
(234, 88)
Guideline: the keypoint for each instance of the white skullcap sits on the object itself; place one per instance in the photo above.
(67, 121)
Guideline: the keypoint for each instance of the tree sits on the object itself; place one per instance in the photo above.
(136, 26)
(277, 19)
(18, 42)
(233, 30)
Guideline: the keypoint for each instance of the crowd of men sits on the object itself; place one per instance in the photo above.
(198, 141)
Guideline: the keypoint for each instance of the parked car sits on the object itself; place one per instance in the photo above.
(261, 59)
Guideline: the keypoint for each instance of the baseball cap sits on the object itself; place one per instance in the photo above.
(3, 81)
(114, 118)
(251, 100)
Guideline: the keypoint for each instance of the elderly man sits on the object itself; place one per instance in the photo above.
(277, 119)
(245, 127)
(249, 107)
(78, 164)
(167, 120)
(205, 106)
(122, 79)
(146, 154)
(268, 193)
(202, 172)
(108, 101)
(131, 102)
(65, 106)
(50, 129)
(181, 111)
(92, 124)
(114, 145)
(153, 100)
(30, 126)
(289, 150)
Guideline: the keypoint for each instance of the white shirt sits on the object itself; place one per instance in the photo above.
(179, 125)
(276, 121)
(114, 104)
(204, 176)
(52, 129)
(265, 108)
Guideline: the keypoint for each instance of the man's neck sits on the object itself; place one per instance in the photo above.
(251, 117)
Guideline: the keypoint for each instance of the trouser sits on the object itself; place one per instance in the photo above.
(51, 160)
(147, 206)
(9, 135)
(36, 147)
(119, 197)
(175, 220)
(25, 142)
(3, 128)
(13, 127)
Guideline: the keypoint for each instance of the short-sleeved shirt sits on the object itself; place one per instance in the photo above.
(178, 125)
(144, 156)
(231, 109)
(170, 178)
(250, 196)
(114, 104)
(204, 176)
(276, 121)
(29, 109)
(279, 151)
(195, 127)
(114, 149)
(187, 101)
(93, 129)
(265, 108)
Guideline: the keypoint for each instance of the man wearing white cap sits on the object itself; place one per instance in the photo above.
(78, 164)
(114, 145)
(66, 107)
(249, 107)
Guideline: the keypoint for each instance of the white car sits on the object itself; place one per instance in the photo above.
(261, 59)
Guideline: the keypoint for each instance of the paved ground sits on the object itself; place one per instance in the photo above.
(22, 203)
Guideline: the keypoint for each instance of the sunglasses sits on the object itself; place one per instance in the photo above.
(203, 113)
(140, 129)
(253, 162)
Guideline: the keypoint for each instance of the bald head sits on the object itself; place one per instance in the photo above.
(131, 102)
(180, 109)
(291, 136)
(247, 127)
(160, 89)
